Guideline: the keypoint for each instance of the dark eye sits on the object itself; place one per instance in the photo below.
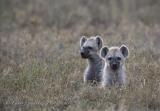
(109, 58)
(90, 48)
(118, 58)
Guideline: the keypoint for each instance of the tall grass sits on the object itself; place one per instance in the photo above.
(40, 65)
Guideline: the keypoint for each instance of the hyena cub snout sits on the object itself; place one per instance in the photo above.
(115, 58)
(85, 52)
(114, 70)
(114, 62)
(89, 49)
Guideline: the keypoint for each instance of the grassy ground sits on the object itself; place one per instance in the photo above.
(42, 70)
(40, 65)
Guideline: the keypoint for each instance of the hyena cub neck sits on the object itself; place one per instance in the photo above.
(90, 49)
(114, 69)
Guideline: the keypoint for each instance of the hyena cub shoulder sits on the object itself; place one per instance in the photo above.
(114, 69)
(90, 50)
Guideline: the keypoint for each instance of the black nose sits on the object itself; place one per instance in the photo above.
(82, 53)
(114, 66)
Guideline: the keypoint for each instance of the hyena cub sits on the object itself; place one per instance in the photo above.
(114, 69)
(90, 50)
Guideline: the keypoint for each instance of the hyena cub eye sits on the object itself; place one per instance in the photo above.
(90, 48)
(118, 58)
(111, 58)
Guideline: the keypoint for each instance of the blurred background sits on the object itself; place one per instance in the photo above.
(25, 24)
(39, 53)
(70, 13)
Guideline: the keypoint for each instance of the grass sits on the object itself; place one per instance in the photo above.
(44, 71)
(40, 65)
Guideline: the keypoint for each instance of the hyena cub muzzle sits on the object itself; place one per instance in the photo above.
(85, 52)
(89, 50)
(114, 62)
(114, 69)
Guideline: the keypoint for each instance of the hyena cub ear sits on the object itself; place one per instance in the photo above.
(82, 40)
(125, 51)
(99, 41)
(104, 52)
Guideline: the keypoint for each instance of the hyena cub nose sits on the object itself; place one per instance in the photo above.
(89, 49)
(114, 69)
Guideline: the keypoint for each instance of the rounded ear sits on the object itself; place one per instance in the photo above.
(99, 41)
(125, 51)
(82, 40)
(104, 52)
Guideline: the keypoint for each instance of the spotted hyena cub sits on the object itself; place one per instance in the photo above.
(114, 69)
(90, 50)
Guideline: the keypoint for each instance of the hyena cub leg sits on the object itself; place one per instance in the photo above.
(114, 69)
(89, 50)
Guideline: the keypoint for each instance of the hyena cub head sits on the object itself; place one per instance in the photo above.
(90, 46)
(115, 56)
